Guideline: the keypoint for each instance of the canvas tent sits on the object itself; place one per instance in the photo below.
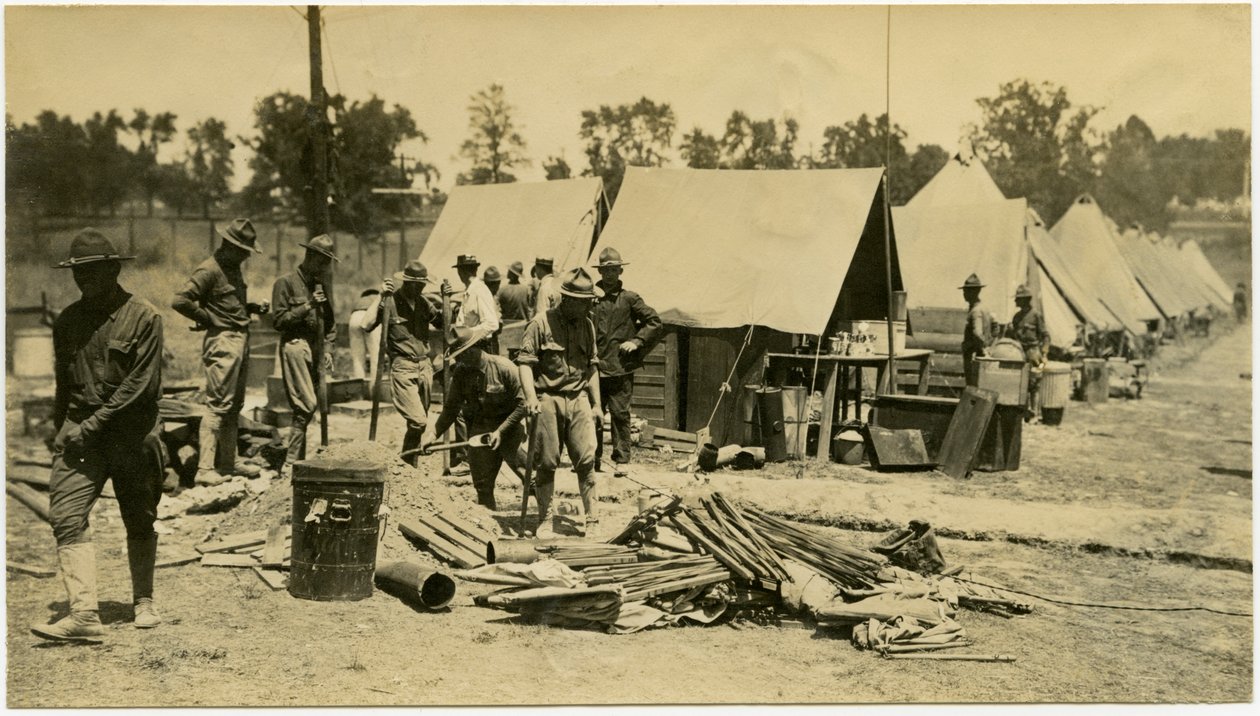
(1088, 242)
(520, 221)
(1197, 262)
(726, 256)
(960, 224)
(1055, 267)
(1187, 276)
(1149, 270)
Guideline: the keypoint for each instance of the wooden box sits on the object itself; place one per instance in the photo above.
(1008, 378)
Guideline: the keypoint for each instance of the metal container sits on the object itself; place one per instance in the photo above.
(336, 524)
(848, 448)
(770, 409)
(795, 420)
(33, 353)
(1009, 378)
(1095, 381)
(1056, 388)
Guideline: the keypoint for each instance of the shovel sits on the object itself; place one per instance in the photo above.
(476, 441)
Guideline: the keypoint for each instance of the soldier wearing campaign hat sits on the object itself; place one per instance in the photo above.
(107, 355)
(302, 312)
(409, 332)
(546, 289)
(559, 369)
(514, 298)
(1029, 328)
(214, 299)
(978, 331)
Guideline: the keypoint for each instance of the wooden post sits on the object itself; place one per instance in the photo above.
(317, 119)
(402, 216)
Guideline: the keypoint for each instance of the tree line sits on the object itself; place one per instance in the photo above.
(1032, 138)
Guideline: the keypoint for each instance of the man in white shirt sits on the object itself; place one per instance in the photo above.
(478, 311)
(547, 290)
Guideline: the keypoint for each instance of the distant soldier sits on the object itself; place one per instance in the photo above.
(478, 311)
(1240, 302)
(214, 300)
(411, 371)
(626, 328)
(978, 331)
(107, 349)
(559, 370)
(1029, 328)
(546, 291)
(486, 392)
(491, 278)
(303, 314)
(513, 298)
(365, 343)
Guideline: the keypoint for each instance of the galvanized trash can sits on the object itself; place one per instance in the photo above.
(336, 525)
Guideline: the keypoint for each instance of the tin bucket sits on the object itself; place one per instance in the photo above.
(336, 524)
(848, 448)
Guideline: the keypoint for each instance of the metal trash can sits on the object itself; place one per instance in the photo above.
(336, 524)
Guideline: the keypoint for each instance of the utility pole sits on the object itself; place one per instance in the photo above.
(317, 120)
(402, 214)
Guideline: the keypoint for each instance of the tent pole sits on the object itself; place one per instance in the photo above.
(892, 347)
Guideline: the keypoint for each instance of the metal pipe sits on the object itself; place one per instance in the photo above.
(414, 582)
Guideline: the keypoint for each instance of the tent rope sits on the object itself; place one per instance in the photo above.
(726, 384)
(813, 381)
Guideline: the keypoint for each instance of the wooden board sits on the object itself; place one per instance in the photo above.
(221, 559)
(233, 542)
(966, 431)
(273, 578)
(273, 550)
(897, 449)
(656, 387)
(29, 496)
(178, 560)
(440, 546)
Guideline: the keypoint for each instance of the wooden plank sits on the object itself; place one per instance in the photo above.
(440, 546)
(966, 431)
(223, 559)
(178, 560)
(29, 496)
(273, 550)
(29, 569)
(677, 435)
(467, 528)
(897, 448)
(232, 542)
(273, 578)
(823, 452)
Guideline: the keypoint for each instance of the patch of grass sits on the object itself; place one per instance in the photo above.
(355, 663)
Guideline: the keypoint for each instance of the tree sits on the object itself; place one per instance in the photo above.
(557, 168)
(1129, 188)
(635, 134)
(495, 146)
(151, 133)
(1036, 146)
(749, 144)
(927, 160)
(107, 165)
(281, 150)
(700, 150)
(176, 188)
(209, 162)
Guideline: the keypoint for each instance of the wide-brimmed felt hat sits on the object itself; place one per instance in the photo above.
(415, 272)
(241, 233)
(491, 274)
(610, 257)
(1022, 292)
(466, 261)
(324, 245)
(578, 284)
(545, 262)
(90, 246)
(460, 339)
(973, 281)
(516, 269)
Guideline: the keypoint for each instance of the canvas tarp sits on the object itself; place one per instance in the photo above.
(961, 181)
(729, 248)
(1199, 263)
(520, 221)
(1055, 265)
(1089, 244)
(1149, 270)
(940, 246)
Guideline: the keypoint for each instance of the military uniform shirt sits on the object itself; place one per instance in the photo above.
(214, 297)
(559, 352)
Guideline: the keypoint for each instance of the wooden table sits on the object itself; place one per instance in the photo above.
(836, 370)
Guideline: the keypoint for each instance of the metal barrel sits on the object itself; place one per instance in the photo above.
(336, 523)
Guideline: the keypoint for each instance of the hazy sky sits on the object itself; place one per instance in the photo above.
(1181, 68)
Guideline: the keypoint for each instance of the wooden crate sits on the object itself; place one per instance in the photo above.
(1008, 378)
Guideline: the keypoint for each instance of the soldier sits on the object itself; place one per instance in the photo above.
(108, 365)
(303, 314)
(558, 366)
(1029, 328)
(411, 371)
(365, 342)
(486, 391)
(478, 311)
(978, 331)
(626, 329)
(514, 297)
(546, 293)
(491, 278)
(214, 299)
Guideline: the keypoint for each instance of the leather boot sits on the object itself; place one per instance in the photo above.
(207, 450)
(590, 500)
(141, 556)
(411, 441)
(544, 486)
(225, 457)
(77, 564)
(297, 438)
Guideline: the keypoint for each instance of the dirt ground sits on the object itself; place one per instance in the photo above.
(1144, 502)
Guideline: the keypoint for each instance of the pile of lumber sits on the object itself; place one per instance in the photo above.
(686, 575)
(449, 538)
(844, 564)
(589, 554)
(266, 552)
(721, 530)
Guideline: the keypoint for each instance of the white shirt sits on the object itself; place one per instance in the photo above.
(479, 310)
(548, 296)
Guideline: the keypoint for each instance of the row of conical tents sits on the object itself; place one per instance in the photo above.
(740, 261)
